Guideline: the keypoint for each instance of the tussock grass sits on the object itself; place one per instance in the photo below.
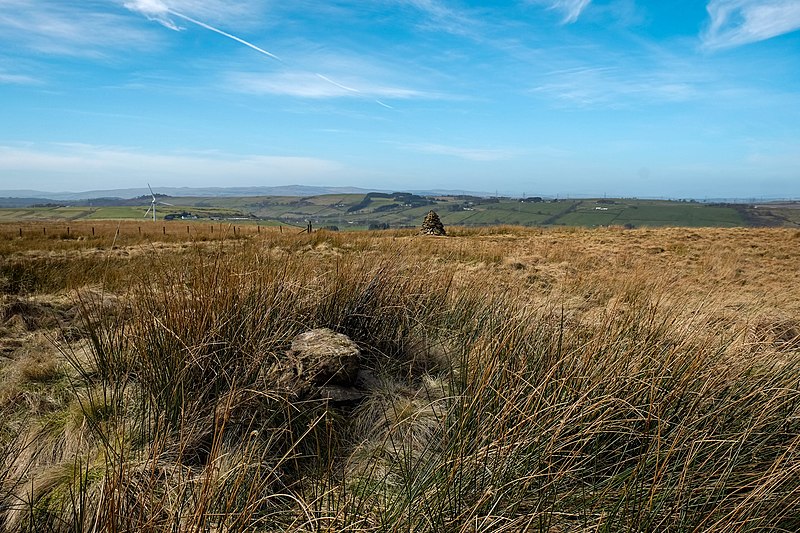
(623, 394)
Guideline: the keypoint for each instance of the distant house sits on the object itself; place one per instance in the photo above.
(185, 215)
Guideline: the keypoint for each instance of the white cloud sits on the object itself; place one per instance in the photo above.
(81, 166)
(571, 9)
(738, 22)
(241, 13)
(471, 154)
(155, 10)
(148, 8)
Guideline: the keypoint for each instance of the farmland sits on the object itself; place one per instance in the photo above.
(399, 210)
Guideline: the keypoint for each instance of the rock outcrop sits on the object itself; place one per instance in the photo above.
(432, 225)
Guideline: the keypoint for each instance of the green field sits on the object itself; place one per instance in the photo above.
(358, 211)
(652, 213)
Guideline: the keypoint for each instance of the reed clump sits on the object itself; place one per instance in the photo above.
(613, 397)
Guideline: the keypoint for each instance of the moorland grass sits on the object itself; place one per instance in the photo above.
(622, 394)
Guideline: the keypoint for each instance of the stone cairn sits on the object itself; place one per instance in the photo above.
(432, 225)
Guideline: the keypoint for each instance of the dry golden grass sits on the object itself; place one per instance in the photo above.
(530, 379)
(742, 279)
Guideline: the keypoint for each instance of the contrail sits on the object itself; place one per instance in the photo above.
(261, 50)
(157, 9)
(228, 35)
(339, 85)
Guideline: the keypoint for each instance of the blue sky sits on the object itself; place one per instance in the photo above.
(555, 97)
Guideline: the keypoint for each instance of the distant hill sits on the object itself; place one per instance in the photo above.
(112, 197)
(283, 190)
(22, 201)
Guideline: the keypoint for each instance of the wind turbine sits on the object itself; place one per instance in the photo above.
(153, 204)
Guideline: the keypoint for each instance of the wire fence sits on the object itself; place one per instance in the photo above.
(82, 230)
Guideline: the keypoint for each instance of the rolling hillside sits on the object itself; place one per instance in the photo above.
(396, 210)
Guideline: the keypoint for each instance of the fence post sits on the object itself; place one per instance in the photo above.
(92, 231)
(44, 231)
(67, 231)
(164, 230)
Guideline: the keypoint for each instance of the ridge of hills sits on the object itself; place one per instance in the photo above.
(22, 197)
(129, 193)
(359, 209)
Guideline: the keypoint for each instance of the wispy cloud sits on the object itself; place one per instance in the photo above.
(738, 22)
(471, 154)
(304, 84)
(7, 78)
(441, 17)
(68, 29)
(571, 9)
(615, 88)
(95, 28)
(56, 163)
